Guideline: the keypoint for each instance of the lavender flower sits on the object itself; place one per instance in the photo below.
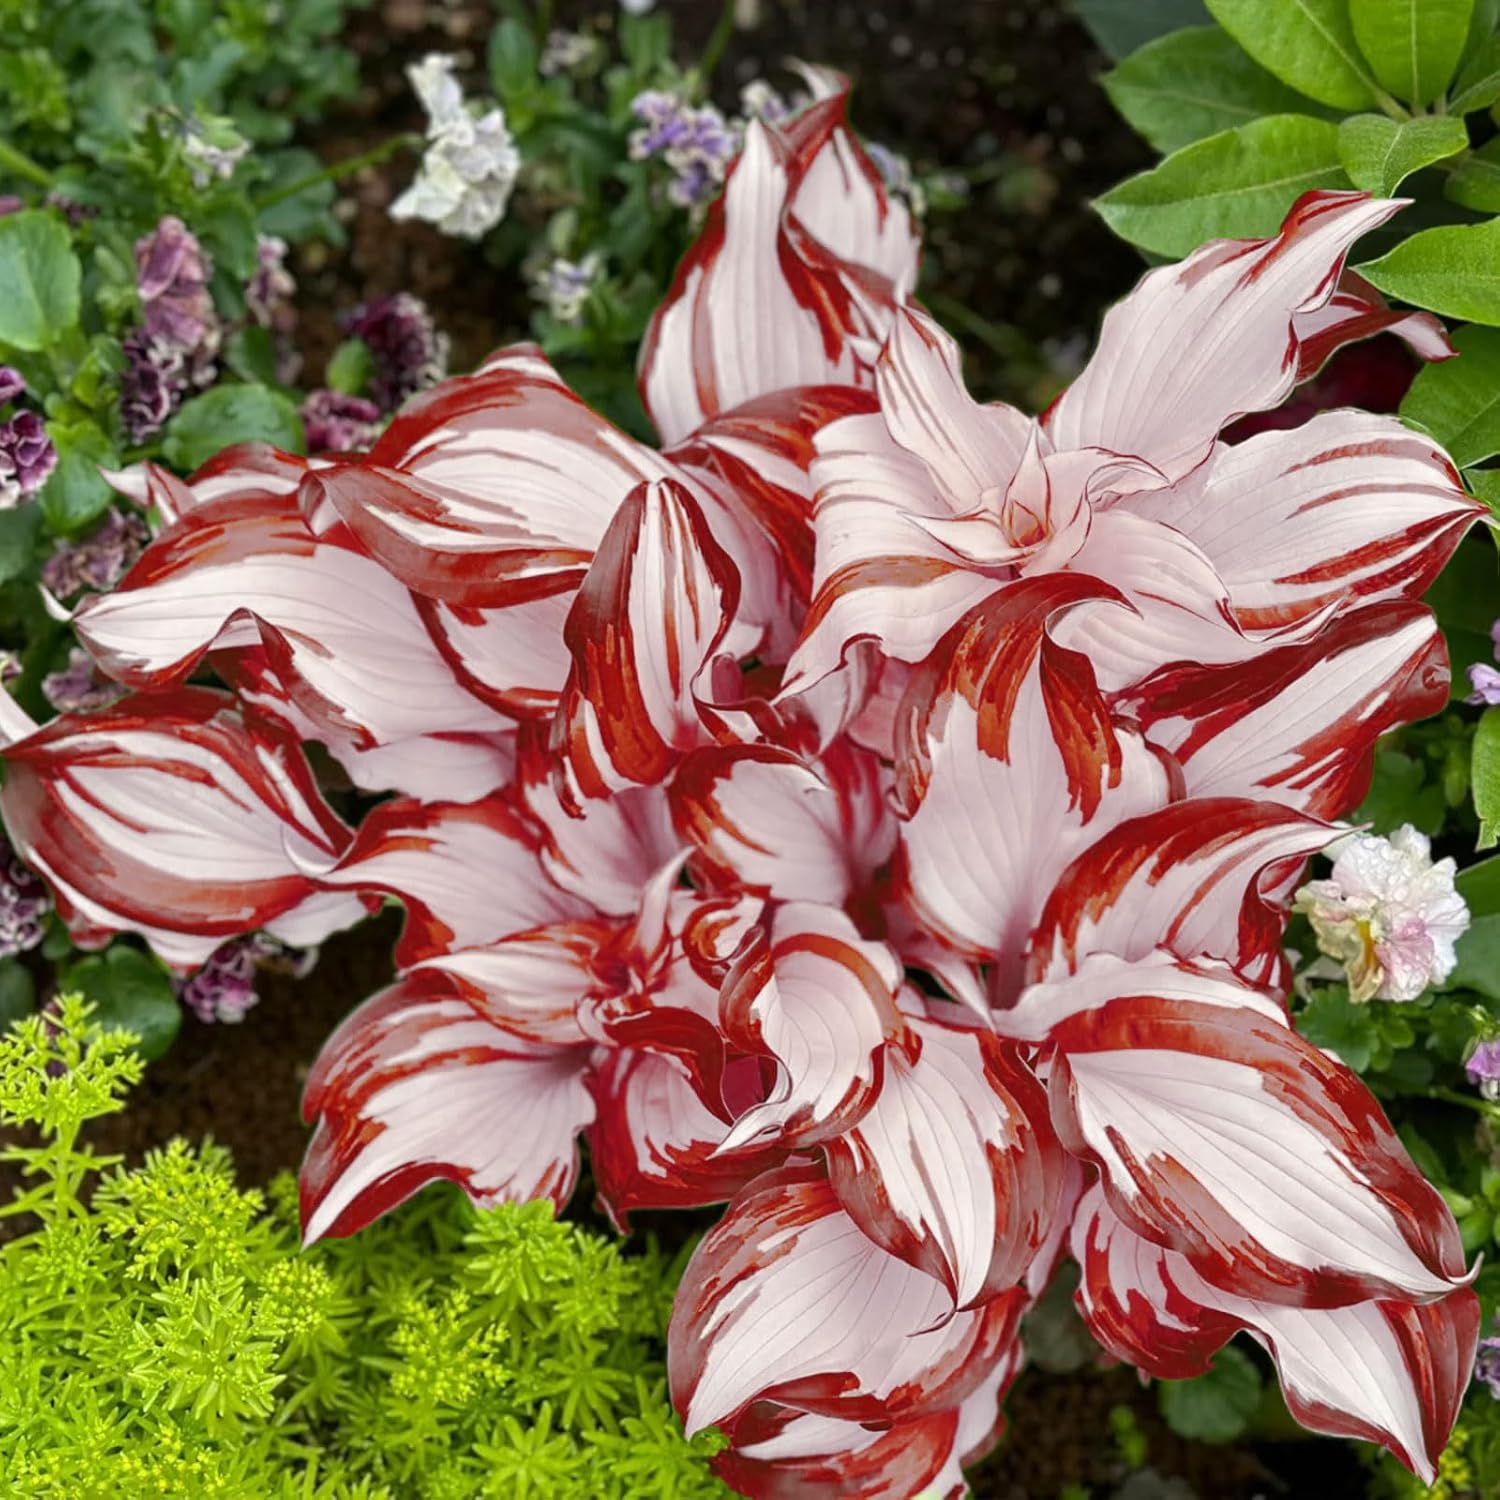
(408, 351)
(224, 988)
(79, 688)
(10, 204)
(27, 457)
(153, 385)
(337, 423)
(1483, 678)
(11, 384)
(896, 171)
(1483, 1068)
(24, 903)
(697, 143)
(213, 148)
(99, 561)
(1487, 1365)
(564, 285)
(760, 100)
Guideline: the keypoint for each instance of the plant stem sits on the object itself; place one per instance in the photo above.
(12, 160)
(338, 169)
(718, 40)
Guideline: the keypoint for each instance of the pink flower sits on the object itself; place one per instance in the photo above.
(873, 811)
(1388, 914)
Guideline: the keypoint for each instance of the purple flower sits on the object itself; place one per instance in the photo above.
(11, 384)
(171, 275)
(1487, 1365)
(27, 457)
(698, 143)
(564, 285)
(409, 353)
(1483, 1068)
(99, 561)
(79, 688)
(337, 423)
(24, 903)
(1483, 678)
(10, 204)
(154, 382)
(224, 988)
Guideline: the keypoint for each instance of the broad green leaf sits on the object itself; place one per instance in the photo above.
(1413, 46)
(1484, 773)
(1400, 793)
(1463, 598)
(1478, 966)
(1478, 85)
(513, 59)
(1484, 484)
(39, 280)
(1479, 885)
(74, 495)
(1308, 44)
(1475, 181)
(1239, 183)
(1453, 270)
(18, 534)
(131, 992)
(350, 367)
(1121, 26)
(17, 992)
(231, 414)
(1192, 84)
(1458, 400)
(1216, 1407)
(1377, 153)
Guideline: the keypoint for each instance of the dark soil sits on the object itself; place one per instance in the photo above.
(1004, 86)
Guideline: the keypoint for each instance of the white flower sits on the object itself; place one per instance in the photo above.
(637, 7)
(564, 285)
(1388, 914)
(471, 162)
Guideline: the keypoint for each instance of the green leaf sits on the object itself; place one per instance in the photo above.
(130, 992)
(1484, 484)
(350, 367)
(1121, 26)
(1458, 400)
(1453, 270)
(1484, 773)
(75, 495)
(231, 414)
(1478, 85)
(39, 280)
(1400, 793)
(251, 353)
(1308, 44)
(1475, 181)
(1377, 153)
(1333, 1021)
(18, 533)
(228, 232)
(1216, 1407)
(1192, 84)
(1478, 951)
(1413, 46)
(1238, 183)
(513, 60)
(17, 992)
(1479, 885)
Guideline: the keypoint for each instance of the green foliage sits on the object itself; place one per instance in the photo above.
(39, 280)
(1453, 269)
(1485, 775)
(253, 413)
(1458, 401)
(1237, 183)
(1308, 44)
(168, 1336)
(1217, 1406)
(1120, 26)
(1379, 153)
(1413, 46)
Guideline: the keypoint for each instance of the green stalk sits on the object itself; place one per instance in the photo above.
(21, 165)
(338, 169)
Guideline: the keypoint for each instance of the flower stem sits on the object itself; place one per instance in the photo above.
(338, 169)
(12, 160)
(718, 40)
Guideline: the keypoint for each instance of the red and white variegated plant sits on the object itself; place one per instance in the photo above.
(874, 810)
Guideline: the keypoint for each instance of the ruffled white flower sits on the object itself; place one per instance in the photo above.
(471, 162)
(1388, 914)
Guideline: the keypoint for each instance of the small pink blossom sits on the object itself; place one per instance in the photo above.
(1389, 914)
(1483, 1067)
